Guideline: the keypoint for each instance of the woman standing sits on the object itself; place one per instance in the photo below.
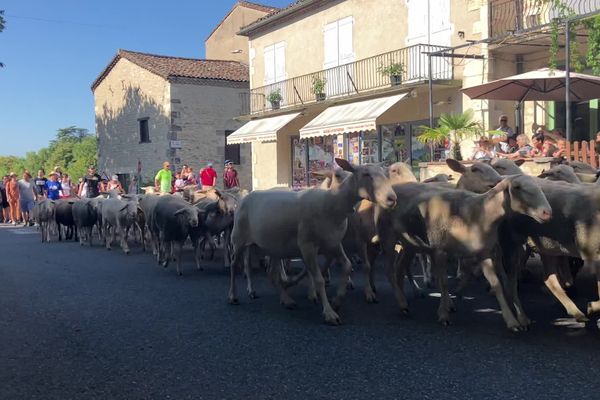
(65, 183)
(114, 184)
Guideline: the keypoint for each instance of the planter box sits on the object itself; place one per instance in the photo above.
(275, 105)
(320, 96)
(395, 80)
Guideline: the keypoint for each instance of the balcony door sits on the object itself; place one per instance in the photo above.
(339, 54)
(275, 71)
(440, 35)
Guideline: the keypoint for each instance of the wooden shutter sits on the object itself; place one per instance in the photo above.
(345, 49)
(279, 69)
(330, 36)
(269, 53)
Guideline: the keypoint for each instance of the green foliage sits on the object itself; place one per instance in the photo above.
(593, 51)
(2, 25)
(564, 12)
(275, 96)
(453, 127)
(318, 84)
(72, 150)
(393, 69)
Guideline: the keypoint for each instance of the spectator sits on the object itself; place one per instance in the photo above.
(230, 176)
(179, 183)
(164, 178)
(208, 177)
(91, 184)
(483, 150)
(597, 143)
(189, 177)
(133, 186)
(538, 144)
(4, 214)
(561, 148)
(549, 148)
(12, 193)
(523, 150)
(65, 183)
(27, 195)
(40, 183)
(114, 184)
(53, 186)
(508, 133)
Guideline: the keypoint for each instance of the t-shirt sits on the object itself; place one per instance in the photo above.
(230, 179)
(208, 176)
(26, 190)
(53, 189)
(40, 185)
(92, 185)
(164, 177)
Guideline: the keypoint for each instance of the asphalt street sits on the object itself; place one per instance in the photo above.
(85, 323)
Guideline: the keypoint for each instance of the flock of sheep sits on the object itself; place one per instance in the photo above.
(491, 221)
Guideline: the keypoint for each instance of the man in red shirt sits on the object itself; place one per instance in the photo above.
(208, 177)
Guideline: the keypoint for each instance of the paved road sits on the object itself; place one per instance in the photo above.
(81, 323)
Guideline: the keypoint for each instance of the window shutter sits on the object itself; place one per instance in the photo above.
(269, 53)
(279, 51)
(417, 21)
(346, 53)
(330, 35)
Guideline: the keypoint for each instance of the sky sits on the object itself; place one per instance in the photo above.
(53, 51)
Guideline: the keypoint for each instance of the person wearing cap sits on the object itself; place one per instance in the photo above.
(114, 184)
(164, 178)
(230, 176)
(208, 177)
(27, 195)
(91, 182)
(12, 193)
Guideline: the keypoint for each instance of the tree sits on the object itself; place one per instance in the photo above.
(452, 127)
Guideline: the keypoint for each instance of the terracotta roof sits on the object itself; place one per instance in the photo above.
(293, 7)
(167, 67)
(247, 4)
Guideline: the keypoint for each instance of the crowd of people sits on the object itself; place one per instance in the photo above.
(543, 143)
(166, 182)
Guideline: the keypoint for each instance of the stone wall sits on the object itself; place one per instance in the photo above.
(201, 114)
(127, 94)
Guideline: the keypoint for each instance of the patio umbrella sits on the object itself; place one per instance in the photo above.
(539, 85)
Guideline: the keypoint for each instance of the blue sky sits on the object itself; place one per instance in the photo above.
(53, 50)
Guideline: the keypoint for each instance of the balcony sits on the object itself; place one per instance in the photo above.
(359, 77)
(513, 16)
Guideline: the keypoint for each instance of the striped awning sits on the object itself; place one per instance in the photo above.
(261, 130)
(353, 117)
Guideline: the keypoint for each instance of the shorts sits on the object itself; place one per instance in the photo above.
(27, 205)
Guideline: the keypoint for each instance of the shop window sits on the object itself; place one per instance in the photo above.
(232, 151)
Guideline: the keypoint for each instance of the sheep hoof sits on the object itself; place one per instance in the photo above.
(290, 304)
(404, 311)
(581, 318)
(332, 318)
(350, 285)
(234, 302)
(445, 322)
(252, 295)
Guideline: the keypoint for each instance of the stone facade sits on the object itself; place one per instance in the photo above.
(196, 112)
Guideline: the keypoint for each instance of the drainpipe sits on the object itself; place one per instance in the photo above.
(519, 117)
(568, 81)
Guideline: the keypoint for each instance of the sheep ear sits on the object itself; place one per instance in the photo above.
(519, 162)
(344, 164)
(456, 166)
(501, 186)
(543, 174)
(180, 211)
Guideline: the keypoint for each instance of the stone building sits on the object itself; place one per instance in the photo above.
(151, 108)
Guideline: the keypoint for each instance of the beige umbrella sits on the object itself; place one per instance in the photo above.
(539, 85)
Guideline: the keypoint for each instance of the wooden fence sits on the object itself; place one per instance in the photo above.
(582, 151)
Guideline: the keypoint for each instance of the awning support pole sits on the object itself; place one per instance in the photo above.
(430, 91)
(568, 81)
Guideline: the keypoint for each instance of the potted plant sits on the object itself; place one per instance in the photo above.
(318, 87)
(452, 127)
(394, 70)
(275, 99)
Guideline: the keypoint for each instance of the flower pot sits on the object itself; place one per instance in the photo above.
(275, 105)
(395, 80)
(320, 96)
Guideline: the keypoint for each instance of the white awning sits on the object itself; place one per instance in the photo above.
(353, 117)
(262, 130)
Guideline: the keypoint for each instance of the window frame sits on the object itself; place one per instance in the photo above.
(144, 122)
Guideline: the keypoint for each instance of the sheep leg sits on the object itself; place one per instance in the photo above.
(552, 282)
(227, 248)
(124, 232)
(514, 263)
(107, 237)
(346, 271)
(248, 272)
(310, 258)
(370, 295)
(391, 258)
(487, 266)
(235, 266)
(178, 248)
(594, 306)
(440, 272)
(277, 265)
(196, 245)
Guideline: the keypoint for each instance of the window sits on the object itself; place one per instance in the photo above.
(275, 63)
(144, 132)
(232, 151)
(337, 42)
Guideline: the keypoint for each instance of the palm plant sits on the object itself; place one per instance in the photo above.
(452, 127)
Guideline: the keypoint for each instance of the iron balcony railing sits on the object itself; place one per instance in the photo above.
(510, 16)
(355, 78)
